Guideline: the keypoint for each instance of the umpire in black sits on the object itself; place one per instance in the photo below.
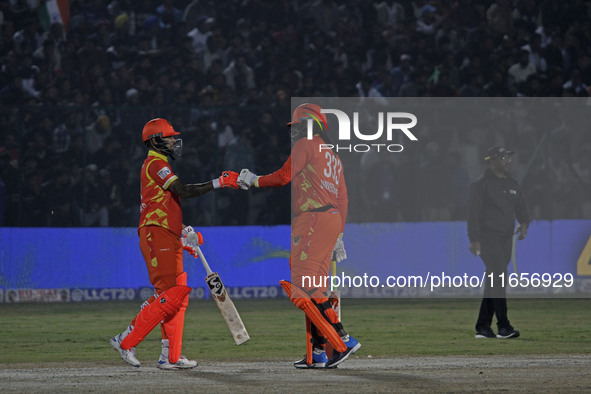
(495, 202)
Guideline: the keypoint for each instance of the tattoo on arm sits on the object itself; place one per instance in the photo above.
(190, 191)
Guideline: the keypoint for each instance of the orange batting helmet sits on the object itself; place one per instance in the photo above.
(153, 133)
(157, 128)
(307, 111)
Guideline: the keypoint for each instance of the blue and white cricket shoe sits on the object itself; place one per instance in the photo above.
(352, 346)
(319, 360)
(183, 363)
(127, 355)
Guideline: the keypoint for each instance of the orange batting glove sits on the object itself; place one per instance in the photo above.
(228, 179)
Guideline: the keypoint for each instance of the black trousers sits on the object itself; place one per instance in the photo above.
(495, 252)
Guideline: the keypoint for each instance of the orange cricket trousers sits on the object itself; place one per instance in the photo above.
(163, 253)
(313, 238)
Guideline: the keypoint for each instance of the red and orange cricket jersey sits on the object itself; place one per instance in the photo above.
(318, 180)
(159, 206)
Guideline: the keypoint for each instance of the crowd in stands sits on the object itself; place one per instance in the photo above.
(75, 94)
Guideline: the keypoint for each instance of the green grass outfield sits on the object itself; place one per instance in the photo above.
(41, 333)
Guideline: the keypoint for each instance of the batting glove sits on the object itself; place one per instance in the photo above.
(339, 253)
(247, 179)
(228, 179)
(191, 240)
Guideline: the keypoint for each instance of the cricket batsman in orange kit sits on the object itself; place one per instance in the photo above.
(319, 207)
(162, 240)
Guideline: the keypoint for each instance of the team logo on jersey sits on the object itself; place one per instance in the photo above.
(163, 173)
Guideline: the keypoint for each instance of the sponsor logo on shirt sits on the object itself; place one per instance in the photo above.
(163, 173)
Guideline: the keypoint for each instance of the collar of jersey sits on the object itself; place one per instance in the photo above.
(158, 155)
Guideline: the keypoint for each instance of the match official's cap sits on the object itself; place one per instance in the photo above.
(497, 151)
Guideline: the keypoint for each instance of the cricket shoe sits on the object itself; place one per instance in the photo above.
(183, 363)
(127, 355)
(507, 332)
(319, 360)
(352, 346)
(485, 333)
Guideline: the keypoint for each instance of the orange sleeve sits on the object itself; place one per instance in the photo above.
(281, 177)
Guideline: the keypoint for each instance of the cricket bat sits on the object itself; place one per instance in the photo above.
(222, 298)
(335, 294)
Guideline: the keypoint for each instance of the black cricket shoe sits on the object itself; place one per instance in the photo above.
(507, 332)
(485, 333)
(319, 360)
(352, 346)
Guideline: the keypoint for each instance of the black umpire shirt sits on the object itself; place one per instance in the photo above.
(493, 205)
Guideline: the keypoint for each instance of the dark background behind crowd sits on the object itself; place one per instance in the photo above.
(75, 95)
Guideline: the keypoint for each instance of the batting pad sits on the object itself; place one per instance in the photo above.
(316, 317)
(175, 325)
(309, 347)
(325, 328)
(163, 308)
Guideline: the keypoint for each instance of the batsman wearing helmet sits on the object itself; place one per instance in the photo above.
(162, 240)
(319, 207)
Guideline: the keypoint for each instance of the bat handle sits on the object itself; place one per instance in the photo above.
(204, 262)
(333, 271)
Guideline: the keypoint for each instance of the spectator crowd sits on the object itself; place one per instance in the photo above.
(75, 92)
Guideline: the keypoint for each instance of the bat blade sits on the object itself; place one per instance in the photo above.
(335, 293)
(227, 308)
